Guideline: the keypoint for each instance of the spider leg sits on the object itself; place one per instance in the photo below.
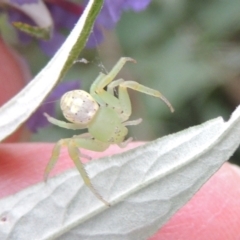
(125, 143)
(63, 124)
(93, 92)
(123, 104)
(108, 98)
(84, 135)
(54, 157)
(112, 85)
(141, 88)
(74, 153)
(133, 122)
(103, 80)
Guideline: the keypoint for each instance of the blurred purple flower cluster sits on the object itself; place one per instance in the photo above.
(65, 14)
(59, 15)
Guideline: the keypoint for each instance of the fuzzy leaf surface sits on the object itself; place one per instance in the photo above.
(145, 187)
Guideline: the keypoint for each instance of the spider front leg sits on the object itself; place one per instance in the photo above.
(74, 153)
(125, 100)
(141, 88)
(122, 104)
(103, 80)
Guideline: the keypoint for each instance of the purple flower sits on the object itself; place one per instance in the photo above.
(63, 14)
(37, 120)
(21, 2)
(113, 9)
(111, 14)
(136, 5)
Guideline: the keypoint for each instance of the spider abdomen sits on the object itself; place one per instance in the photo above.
(78, 106)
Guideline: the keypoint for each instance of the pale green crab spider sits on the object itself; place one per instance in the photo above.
(104, 114)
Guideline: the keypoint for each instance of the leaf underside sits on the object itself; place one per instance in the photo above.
(145, 187)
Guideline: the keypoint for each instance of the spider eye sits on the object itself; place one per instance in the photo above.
(78, 106)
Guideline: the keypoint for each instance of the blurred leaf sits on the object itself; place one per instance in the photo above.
(145, 187)
(42, 33)
(219, 19)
